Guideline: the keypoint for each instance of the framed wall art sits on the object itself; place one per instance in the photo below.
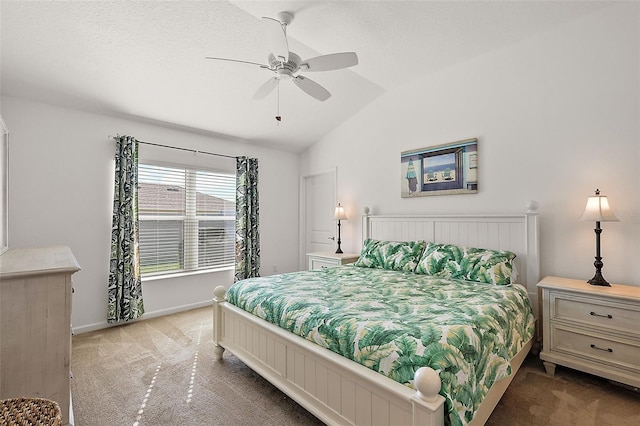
(446, 169)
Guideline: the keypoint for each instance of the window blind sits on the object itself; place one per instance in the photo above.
(187, 219)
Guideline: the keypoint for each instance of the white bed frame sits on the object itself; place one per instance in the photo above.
(342, 392)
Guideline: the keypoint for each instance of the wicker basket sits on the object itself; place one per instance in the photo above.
(30, 412)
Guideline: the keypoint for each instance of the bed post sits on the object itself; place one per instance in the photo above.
(366, 224)
(428, 405)
(220, 294)
(533, 251)
(533, 267)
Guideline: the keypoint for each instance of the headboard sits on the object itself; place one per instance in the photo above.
(516, 233)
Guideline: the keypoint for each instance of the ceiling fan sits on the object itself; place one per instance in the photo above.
(286, 65)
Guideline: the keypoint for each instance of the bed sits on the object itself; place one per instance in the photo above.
(342, 389)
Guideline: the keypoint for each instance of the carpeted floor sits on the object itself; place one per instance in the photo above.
(568, 398)
(162, 371)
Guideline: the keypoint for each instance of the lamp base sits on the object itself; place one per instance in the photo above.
(339, 251)
(598, 279)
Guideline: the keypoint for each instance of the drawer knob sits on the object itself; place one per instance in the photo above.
(595, 314)
(601, 349)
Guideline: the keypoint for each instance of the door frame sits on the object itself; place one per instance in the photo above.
(332, 173)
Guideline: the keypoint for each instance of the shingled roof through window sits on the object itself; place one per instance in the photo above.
(170, 199)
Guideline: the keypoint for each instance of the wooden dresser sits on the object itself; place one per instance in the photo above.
(35, 324)
(591, 328)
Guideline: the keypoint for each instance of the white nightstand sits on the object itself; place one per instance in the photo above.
(327, 259)
(591, 328)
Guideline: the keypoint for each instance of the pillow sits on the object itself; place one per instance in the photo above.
(468, 263)
(396, 256)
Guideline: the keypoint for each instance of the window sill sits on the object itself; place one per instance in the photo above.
(185, 274)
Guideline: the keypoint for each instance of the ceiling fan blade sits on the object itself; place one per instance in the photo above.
(277, 38)
(333, 61)
(237, 60)
(312, 88)
(266, 88)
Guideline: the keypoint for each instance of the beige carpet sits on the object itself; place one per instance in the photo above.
(162, 372)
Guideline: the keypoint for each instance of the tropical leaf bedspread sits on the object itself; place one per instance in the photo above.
(395, 322)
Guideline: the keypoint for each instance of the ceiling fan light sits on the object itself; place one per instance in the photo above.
(285, 17)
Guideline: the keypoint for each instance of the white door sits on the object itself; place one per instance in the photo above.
(319, 202)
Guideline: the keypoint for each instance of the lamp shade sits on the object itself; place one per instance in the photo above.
(597, 209)
(339, 213)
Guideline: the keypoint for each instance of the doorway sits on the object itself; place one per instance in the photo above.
(318, 229)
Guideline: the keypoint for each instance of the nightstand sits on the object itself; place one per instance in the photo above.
(591, 328)
(329, 259)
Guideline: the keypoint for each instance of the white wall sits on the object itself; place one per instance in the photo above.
(61, 192)
(556, 117)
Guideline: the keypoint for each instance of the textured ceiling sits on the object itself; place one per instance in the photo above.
(146, 59)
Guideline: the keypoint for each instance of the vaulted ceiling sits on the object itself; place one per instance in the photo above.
(146, 59)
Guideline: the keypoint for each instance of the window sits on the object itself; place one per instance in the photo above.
(187, 219)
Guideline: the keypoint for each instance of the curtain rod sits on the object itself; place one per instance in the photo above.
(195, 151)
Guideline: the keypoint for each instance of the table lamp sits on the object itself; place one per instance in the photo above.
(339, 215)
(597, 210)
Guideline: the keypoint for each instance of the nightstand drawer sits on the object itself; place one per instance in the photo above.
(322, 264)
(608, 315)
(595, 347)
(322, 260)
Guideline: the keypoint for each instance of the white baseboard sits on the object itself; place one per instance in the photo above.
(145, 316)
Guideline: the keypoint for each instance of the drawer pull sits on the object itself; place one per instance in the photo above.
(601, 349)
(594, 314)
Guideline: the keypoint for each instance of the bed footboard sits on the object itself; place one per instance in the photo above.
(335, 390)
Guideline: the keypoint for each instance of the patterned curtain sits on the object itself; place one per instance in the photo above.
(247, 220)
(125, 286)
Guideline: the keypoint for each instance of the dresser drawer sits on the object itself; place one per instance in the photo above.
(601, 313)
(587, 344)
